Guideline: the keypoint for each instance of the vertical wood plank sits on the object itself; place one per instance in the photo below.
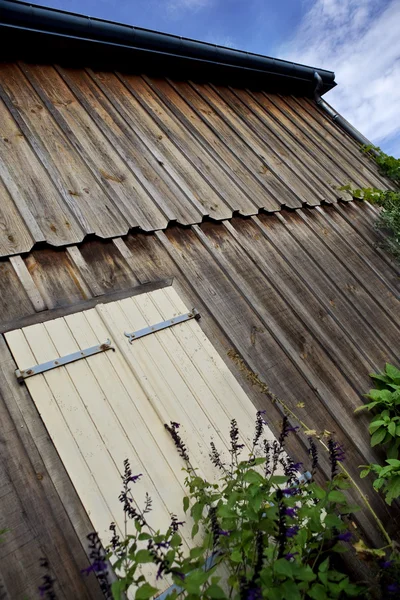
(83, 268)
(30, 288)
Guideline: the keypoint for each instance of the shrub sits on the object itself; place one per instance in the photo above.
(385, 430)
(275, 533)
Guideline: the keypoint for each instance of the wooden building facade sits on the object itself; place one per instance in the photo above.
(132, 192)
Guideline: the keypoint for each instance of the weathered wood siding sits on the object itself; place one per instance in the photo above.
(85, 152)
(304, 296)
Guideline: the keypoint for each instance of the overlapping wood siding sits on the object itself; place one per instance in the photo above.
(84, 152)
(305, 297)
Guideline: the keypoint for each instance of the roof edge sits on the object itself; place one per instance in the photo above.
(36, 31)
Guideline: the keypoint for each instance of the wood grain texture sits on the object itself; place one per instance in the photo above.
(302, 296)
(280, 144)
(87, 152)
(31, 188)
(25, 278)
(342, 142)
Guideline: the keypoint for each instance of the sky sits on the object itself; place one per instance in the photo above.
(358, 39)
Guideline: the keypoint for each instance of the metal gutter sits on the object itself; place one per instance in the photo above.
(27, 28)
(336, 117)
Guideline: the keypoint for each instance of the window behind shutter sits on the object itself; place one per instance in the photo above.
(111, 406)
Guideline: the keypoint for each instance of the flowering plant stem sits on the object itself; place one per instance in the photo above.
(255, 380)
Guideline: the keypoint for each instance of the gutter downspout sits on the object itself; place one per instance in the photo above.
(337, 118)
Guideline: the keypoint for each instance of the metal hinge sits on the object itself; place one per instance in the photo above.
(193, 314)
(63, 360)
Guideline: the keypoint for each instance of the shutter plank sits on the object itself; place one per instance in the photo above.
(52, 407)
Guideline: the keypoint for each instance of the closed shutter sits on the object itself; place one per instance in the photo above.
(111, 406)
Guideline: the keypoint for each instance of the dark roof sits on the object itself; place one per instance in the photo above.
(44, 34)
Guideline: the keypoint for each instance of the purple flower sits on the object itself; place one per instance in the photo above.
(160, 571)
(336, 455)
(295, 429)
(346, 536)
(135, 478)
(291, 512)
(224, 532)
(96, 567)
(292, 491)
(165, 544)
(290, 555)
(254, 593)
(291, 531)
(392, 588)
(179, 444)
(386, 564)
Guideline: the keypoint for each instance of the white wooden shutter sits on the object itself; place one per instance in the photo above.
(112, 406)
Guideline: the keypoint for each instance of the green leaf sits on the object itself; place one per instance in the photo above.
(384, 395)
(284, 567)
(278, 479)
(317, 592)
(143, 536)
(332, 520)
(196, 552)
(225, 512)
(336, 496)
(143, 556)
(176, 540)
(393, 490)
(394, 462)
(290, 590)
(349, 508)
(145, 592)
(253, 477)
(118, 589)
(378, 483)
(195, 530)
(336, 576)
(197, 511)
(303, 573)
(324, 566)
(393, 373)
(378, 437)
(236, 556)
(195, 580)
(392, 428)
(185, 503)
(374, 425)
(368, 406)
(319, 492)
(354, 590)
(214, 591)
(365, 472)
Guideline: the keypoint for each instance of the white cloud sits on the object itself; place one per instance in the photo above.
(360, 41)
(174, 6)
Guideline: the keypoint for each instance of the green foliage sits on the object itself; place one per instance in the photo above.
(259, 531)
(385, 430)
(388, 200)
(388, 478)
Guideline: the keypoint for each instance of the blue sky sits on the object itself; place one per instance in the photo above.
(358, 39)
